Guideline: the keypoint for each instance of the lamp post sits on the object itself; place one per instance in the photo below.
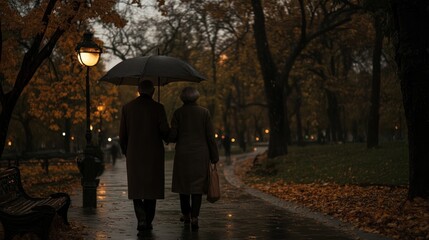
(90, 163)
(100, 109)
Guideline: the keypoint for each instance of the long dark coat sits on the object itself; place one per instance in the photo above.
(143, 127)
(192, 130)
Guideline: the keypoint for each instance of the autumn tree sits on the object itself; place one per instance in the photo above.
(34, 28)
(168, 30)
(57, 97)
(314, 21)
(376, 10)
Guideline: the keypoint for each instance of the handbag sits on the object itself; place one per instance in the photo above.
(213, 192)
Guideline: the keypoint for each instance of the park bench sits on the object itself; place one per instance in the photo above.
(20, 213)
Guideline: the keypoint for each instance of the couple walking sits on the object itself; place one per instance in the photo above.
(143, 129)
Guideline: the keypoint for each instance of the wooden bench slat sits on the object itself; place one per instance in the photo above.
(20, 213)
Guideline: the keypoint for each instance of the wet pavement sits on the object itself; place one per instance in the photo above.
(242, 213)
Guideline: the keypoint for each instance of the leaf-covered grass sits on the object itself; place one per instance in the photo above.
(63, 176)
(350, 163)
(364, 187)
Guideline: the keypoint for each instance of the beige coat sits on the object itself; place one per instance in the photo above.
(192, 130)
(143, 127)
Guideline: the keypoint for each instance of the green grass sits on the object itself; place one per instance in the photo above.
(349, 163)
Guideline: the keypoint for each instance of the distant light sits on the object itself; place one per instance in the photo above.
(257, 138)
(229, 215)
(64, 134)
(267, 131)
(9, 143)
(72, 138)
(232, 139)
(109, 139)
(223, 137)
(90, 127)
(223, 58)
(100, 107)
(216, 135)
(255, 149)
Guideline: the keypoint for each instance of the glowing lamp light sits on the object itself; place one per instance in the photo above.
(100, 108)
(267, 131)
(232, 139)
(88, 52)
(88, 57)
(109, 139)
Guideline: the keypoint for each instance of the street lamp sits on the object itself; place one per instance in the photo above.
(90, 163)
(100, 109)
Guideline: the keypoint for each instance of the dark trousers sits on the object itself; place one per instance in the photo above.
(190, 204)
(145, 210)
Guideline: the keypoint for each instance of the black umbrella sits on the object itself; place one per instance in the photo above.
(159, 69)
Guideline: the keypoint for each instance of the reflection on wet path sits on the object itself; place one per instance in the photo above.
(237, 215)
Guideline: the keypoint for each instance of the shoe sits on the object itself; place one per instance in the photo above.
(194, 223)
(186, 219)
(144, 234)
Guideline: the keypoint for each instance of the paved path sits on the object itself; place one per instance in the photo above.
(238, 215)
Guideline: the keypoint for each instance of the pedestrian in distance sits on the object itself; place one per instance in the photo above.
(196, 148)
(114, 151)
(143, 128)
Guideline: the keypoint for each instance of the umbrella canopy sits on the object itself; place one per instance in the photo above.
(159, 69)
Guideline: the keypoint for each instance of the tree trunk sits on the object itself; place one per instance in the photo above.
(278, 139)
(288, 132)
(242, 141)
(374, 115)
(411, 23)
(226, 141)
(28, 135)
(298, 103)
(335, 131)
(240, 128)
(273, 85)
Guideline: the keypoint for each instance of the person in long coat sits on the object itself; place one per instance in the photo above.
(143, 128)
(196, 148)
